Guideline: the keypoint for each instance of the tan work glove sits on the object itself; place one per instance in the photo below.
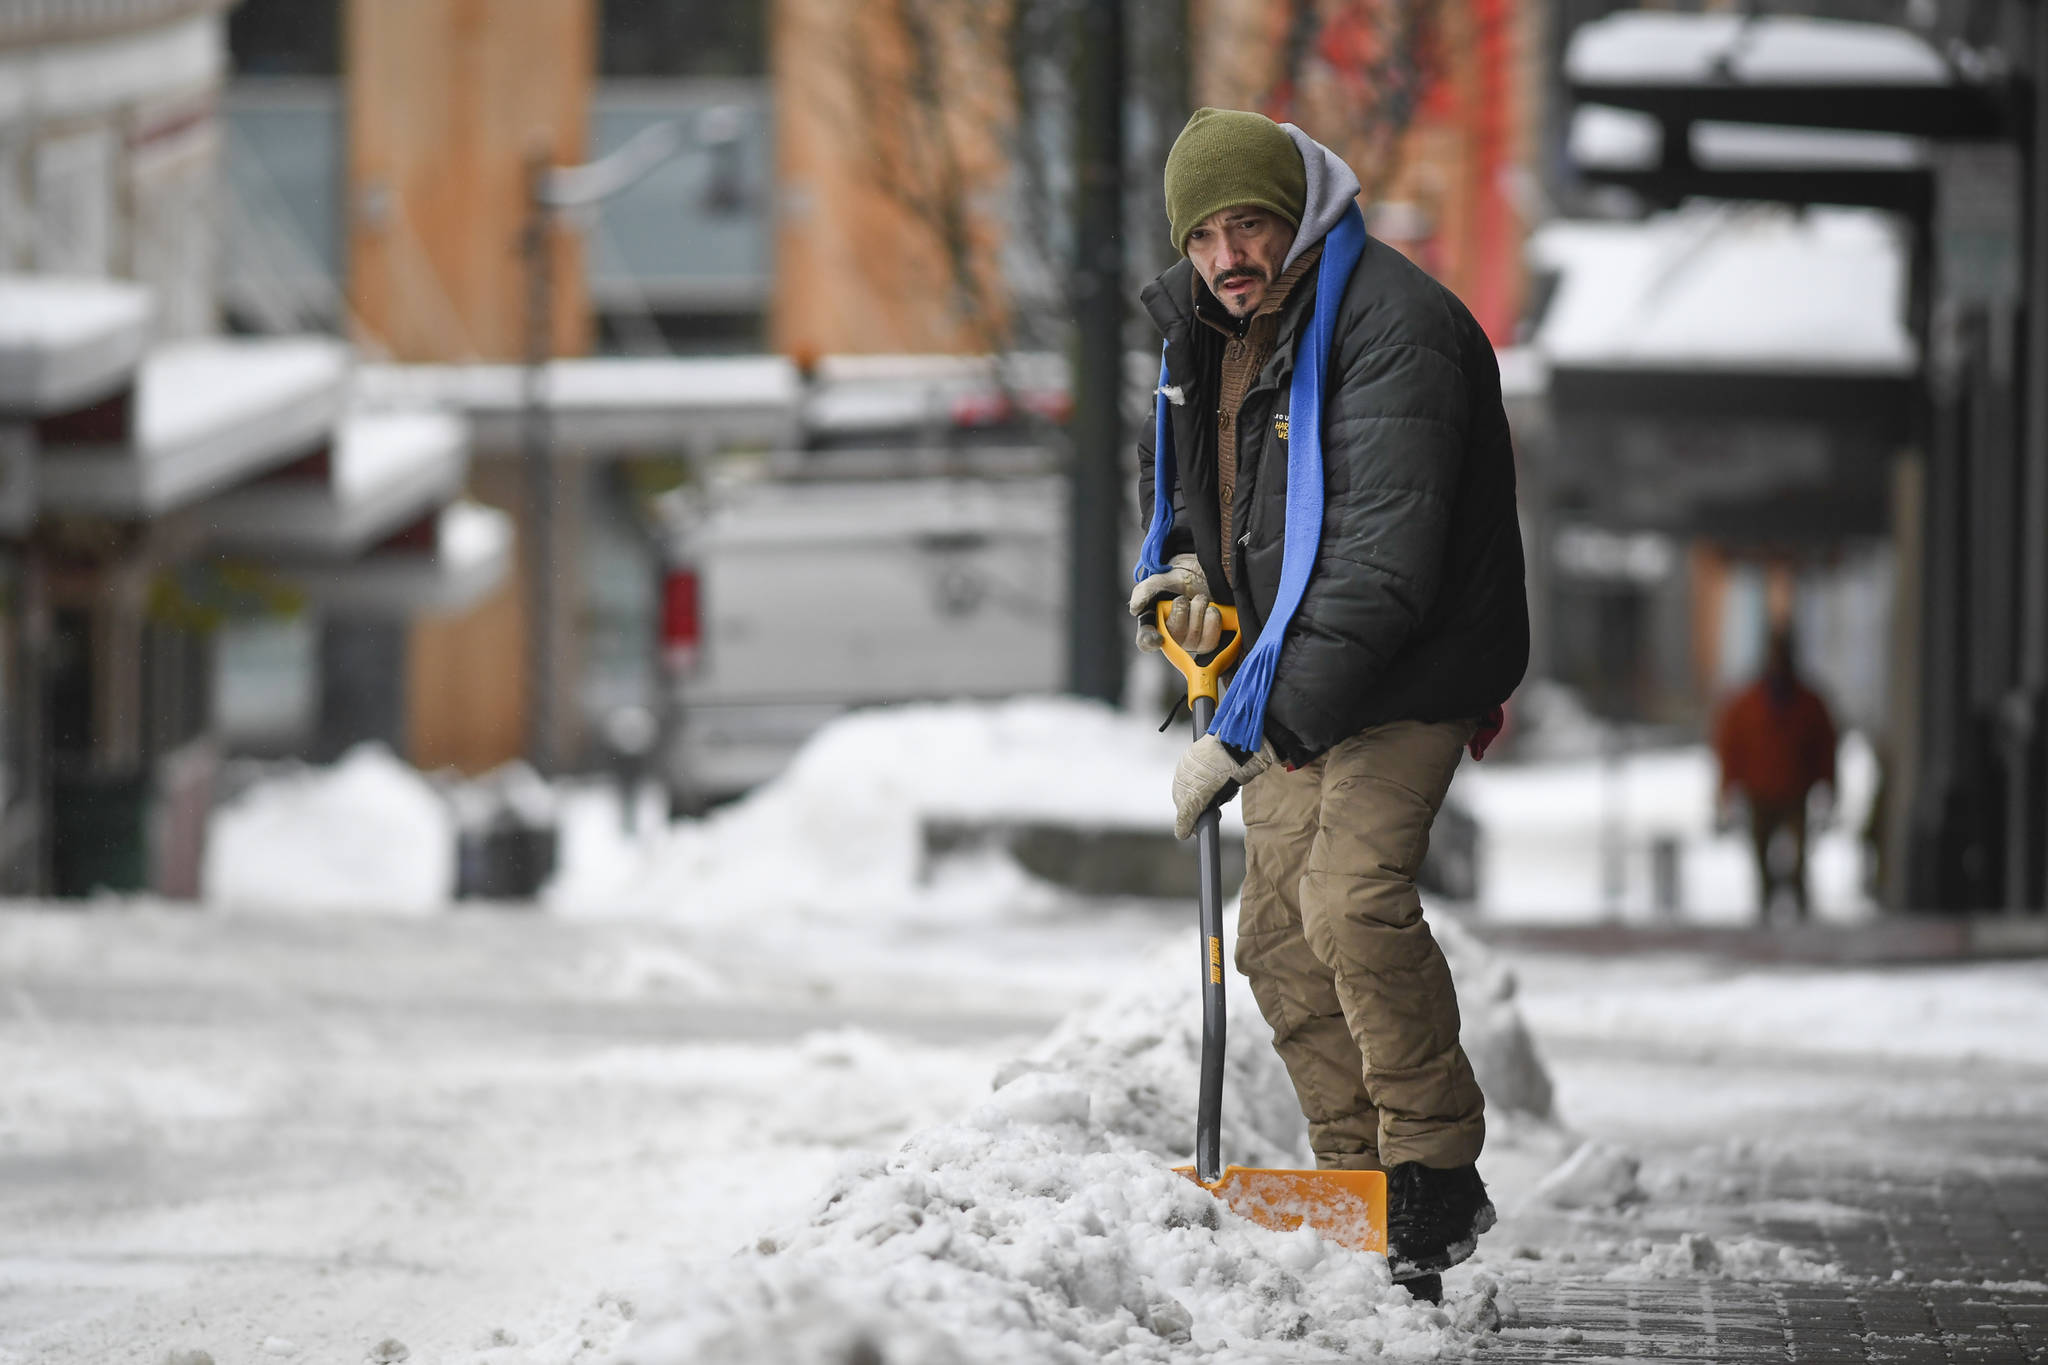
(1193, 621)
(1208, 775)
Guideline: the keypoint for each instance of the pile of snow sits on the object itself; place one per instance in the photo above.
(841, 832)
(1139, 1054)
(368, 834)
(1027, 1232)
(1047, 1223)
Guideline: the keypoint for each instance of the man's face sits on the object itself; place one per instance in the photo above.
(1238, 254)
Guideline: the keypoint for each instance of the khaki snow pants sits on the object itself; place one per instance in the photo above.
(1332, 938)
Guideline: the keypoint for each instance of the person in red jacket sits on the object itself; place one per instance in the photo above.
(1776, 743)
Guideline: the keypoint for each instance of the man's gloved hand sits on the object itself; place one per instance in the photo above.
(1193, 620)
(1210, 774)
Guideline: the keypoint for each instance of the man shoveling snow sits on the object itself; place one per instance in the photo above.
(1330, 457)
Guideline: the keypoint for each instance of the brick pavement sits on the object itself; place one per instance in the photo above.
(1946, 1267)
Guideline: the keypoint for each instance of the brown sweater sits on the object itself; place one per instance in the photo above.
(1248, 346)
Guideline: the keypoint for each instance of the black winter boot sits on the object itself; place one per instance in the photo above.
(1434, 1217)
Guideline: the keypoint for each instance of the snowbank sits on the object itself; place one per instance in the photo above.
(368, 834)
(1028, 1233)
(840, 833)
(1046, 1224)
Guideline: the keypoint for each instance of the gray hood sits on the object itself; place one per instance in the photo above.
(1331, 189)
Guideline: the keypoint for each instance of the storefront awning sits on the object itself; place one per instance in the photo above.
(1781, 69)
(206, 414)
(1737, 370)
(446, 564)
(66, 343)
(1729, 308)
(383, 472)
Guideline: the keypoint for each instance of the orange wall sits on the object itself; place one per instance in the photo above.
(447, 103)
(447, 100)
(1446, 185)
(892, 167)
(862, 252)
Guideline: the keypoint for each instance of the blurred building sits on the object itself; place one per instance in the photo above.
(111, 147)
(160, 482)
(925, 150)
(379, 161)
(1818, 364)
(1439, 122)
(681, 262)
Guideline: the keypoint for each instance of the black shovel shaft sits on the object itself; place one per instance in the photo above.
(1209, 852)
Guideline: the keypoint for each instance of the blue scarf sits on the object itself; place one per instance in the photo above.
(1241, 720)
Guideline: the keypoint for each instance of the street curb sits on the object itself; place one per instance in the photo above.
(1884, 941)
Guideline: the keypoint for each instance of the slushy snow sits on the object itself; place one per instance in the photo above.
(1048, 1225)
(1027, 1232)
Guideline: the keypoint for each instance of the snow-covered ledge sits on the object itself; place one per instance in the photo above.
(208, 414)
(66, 343)
(1609, 139)
(386, 471)
(605, 407)
(469, 554)
(1643, 47)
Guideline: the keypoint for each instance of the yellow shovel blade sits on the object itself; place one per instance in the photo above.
(1345, 1207)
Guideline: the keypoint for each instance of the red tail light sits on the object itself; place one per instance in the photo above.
(682, 625)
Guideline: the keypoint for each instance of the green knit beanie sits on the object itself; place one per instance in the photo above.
(1227, 157)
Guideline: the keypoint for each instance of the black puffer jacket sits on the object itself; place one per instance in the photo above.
(1416, 608)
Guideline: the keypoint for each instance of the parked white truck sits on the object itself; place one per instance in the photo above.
(916, 553)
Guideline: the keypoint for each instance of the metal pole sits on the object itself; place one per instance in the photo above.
(1215, 1025)
(2028, 819)
(1096, 624)
(537, 456)
(25, 807)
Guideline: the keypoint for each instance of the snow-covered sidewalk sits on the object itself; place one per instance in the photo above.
(784, 1085)
(484, 1135)
(508, 1140)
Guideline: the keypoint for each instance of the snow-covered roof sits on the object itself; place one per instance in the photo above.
(209, 413)
(1605, 138)
(608, 405)
(1729, 288)
(65, 343)
(387, 470)
(1644, 47)
(471, 556)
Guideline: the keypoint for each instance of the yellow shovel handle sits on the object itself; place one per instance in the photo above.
(1204, 679)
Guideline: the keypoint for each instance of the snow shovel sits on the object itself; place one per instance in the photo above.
(1346, 1207)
